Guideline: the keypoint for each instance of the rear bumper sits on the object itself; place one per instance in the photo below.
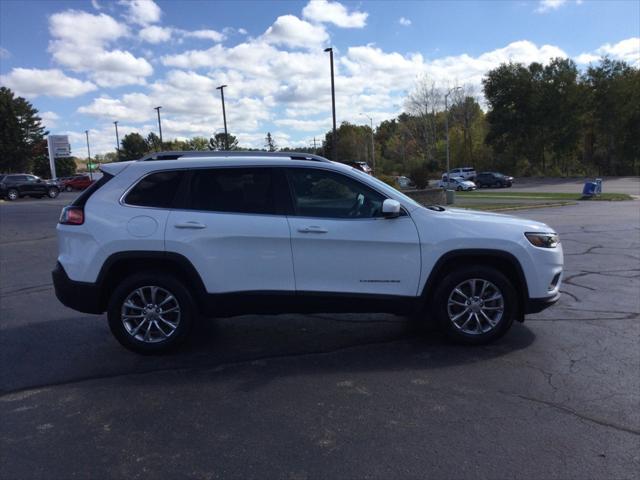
(81, 296)
(535, 305)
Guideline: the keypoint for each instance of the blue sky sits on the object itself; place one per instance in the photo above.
(86, 64)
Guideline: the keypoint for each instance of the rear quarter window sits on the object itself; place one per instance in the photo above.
(156, 190)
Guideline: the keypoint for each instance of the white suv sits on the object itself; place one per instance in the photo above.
(159, 241)
(466, 173)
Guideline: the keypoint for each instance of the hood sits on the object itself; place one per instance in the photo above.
(473, 220)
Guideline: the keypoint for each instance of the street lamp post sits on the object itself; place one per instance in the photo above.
(224, 117)
(373, 145)
(446, 126)
(157, 109)
(117, 140)
(334, 146)
(86, 132)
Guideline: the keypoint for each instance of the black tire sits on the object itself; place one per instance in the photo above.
(457, 277)
(68, 188)
(13, 194)
(53, 192)
(176, 288)
(459, 189)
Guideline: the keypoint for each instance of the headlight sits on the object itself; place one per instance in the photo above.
(543, 240)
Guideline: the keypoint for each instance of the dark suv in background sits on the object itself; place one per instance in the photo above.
(14, 186)
(493, 179)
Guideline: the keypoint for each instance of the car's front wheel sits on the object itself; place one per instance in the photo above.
(475, 305)
(53, 192)
(151, 313)
(13, 194)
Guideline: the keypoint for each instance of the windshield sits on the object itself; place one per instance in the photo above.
(386, 188)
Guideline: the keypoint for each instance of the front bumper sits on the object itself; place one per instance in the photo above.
(81, 296)
(535, 305)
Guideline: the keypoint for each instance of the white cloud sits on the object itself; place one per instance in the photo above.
(206, 34)
(405, 22)
(545, 6)
(133, 107)
(96, 5)
(290, 31)
(49, 119)
(155, 34)
(32, 82)
(4, 53)
(627, 50)
(142, 12)
(80, 42)
(305, 125)
(325, 11)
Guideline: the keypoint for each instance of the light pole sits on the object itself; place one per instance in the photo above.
(373, 146)
(224, 117)
(157, 109)
(334, 138)
(86, 132)
(117, 140)
(446, 126)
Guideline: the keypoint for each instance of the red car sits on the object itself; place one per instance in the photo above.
(77, 182)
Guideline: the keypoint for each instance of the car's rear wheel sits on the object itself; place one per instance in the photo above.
(12, 194)
(68, 188)
(475, 305)
(53, 192)
(151, 313)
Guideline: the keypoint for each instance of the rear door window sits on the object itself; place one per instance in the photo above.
(235, 190)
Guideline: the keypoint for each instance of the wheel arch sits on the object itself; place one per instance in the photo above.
(120, 265)
(504, 262)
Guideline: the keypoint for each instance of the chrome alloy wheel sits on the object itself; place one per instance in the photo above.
(475, 306)
(150, 314)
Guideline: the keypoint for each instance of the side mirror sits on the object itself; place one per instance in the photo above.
(390, 208)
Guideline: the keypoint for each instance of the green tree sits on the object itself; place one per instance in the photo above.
(217, 142)
(153, 143)
(21, 132)
(270, 144)
(65, 167)
(133, 146)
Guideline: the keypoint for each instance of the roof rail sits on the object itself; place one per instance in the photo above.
(174, 155)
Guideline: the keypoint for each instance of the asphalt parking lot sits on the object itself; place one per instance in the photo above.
(327, 396)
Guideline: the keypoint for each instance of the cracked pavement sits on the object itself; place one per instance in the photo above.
(328, 396)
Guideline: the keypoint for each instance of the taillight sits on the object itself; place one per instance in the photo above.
(72, 215)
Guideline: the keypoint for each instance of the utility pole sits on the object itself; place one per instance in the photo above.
(446, 126)
(334, 138)
(224, 117)
(373, 147)
(157, 109)
(86, 132)
(117, 139)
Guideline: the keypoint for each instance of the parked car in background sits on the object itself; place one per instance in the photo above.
(362, 166)
(457, 183)
(17, 185)
(405, 182)
(77, 182)
(468, 173)
(493, 179)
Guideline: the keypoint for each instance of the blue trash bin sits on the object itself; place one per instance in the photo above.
(589, 189)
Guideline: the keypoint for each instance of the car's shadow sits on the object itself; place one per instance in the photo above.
(81, 348)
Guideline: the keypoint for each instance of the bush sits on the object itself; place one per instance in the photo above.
(388, 179)
(420, 176)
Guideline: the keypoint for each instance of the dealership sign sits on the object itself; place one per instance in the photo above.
(59, 147)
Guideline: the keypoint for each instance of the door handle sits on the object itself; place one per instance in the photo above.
(313, 229)
(196, 225)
